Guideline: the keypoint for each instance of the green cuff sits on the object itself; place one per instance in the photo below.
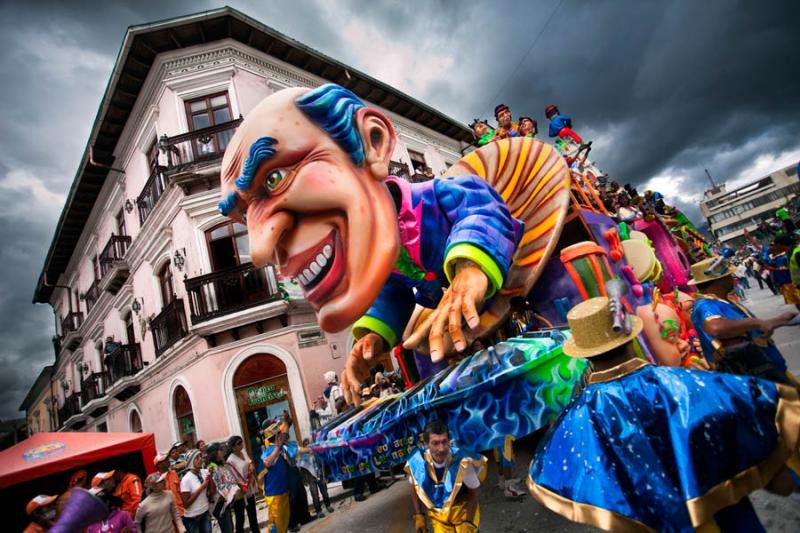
(486, 263)
(369, 324)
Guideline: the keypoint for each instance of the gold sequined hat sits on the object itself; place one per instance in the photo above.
(592, 325)
(709, 270)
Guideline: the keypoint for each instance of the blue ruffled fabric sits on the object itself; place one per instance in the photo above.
(643, 444)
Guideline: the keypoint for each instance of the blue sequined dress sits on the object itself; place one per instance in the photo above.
(657, 448)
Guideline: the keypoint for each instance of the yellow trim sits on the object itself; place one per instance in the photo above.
(546, 179)
(585, 513)
(535, 256)
(486, 263)
(370, 324)
(616, 372)
(473, 160)
(787, 421)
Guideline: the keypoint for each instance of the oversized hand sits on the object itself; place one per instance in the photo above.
(460, 301)
(356, 369)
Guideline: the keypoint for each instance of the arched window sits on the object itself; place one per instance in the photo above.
(184, 415)
(166, 284)
(135, 422)
(228, 245)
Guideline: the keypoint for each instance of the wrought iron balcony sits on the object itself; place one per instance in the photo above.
(71, 407)
(91, 296)
(151, 193)
(230, 290)
(113, 268)
(197, 146)
(69, 330)
(125, 360)
(169, 326)
(92, 388)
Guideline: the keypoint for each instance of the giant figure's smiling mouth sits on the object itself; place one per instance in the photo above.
(320, 268)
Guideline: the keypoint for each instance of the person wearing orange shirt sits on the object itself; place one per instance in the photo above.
(172, 482)
(42, 510)
(129, 489)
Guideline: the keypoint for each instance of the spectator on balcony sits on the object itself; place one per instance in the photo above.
(111, 346)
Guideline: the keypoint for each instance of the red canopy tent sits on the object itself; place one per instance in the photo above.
(44, 454)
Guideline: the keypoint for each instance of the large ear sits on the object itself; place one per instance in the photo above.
(378, 137)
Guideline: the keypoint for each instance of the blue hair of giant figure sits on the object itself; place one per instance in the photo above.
(333, 108)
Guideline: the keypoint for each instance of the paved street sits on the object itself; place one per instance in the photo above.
(391, 511)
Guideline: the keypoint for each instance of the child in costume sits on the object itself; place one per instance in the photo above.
(560, 125)
(733, 339)
(484, 133)
(505, 127)
(444, 484)
(633, 453)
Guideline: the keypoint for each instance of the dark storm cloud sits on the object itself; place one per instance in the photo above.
(664, 88)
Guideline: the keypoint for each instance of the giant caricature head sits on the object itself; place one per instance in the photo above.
(305, 172)
(662, 329)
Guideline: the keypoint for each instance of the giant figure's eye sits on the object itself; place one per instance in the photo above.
(274, 179)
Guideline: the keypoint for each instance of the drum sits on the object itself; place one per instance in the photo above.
(587, 264)
(643, 260)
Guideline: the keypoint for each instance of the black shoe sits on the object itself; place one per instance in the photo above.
(294, 529)
(329, 509)
(359, 498)
(320, 514)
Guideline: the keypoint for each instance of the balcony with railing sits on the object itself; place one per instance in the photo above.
(91, 296)
(93, 388)
(198, 146)
(114, 270)
(151, 193)
(169, 326)
(71, 407)
(230, 290)
(69, 330)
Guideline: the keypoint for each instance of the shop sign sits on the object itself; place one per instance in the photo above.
(264, 393)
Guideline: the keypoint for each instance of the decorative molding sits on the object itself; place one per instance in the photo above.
(240, 318)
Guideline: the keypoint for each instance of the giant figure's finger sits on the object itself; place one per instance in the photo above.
(454, 324)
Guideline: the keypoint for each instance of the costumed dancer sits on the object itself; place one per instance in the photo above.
(484, 134)
(560, 125)
(278, 457)
(505, 127)
(444, 483)
(733, 339)
(632, 453)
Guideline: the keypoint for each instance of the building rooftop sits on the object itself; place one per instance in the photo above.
(139, 49)
(42, 380)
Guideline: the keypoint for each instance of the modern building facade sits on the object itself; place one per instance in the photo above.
(40, 409)
(162, 322)
(729, 213)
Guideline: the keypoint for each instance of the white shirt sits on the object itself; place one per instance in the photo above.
(470, 478)
(240, 465)
(335, 394)
(191, 483)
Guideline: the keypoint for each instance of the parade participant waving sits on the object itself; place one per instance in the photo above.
(632, 452)
(444, 483)
(733, 339)
(560, 125)
(278, 457)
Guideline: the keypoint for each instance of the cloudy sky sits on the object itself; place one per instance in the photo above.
(664, 89)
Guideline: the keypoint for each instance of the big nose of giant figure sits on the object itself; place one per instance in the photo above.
(266, 236)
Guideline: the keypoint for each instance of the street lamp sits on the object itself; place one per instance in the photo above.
(179, 260)
(136, 306)
(128, 205)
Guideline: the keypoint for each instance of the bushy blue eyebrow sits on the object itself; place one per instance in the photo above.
(260, 151)
(228, 204)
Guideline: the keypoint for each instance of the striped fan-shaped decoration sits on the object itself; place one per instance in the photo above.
(533, 179)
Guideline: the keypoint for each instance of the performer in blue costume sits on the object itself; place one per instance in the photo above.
(732, 338)
(649, 448)
(445, 482)
(278, 457)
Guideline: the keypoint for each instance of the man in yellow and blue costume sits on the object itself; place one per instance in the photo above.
(651, 448)
(278, 457)
(445, 483)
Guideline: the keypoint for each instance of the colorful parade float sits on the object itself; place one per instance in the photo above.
(531, 215)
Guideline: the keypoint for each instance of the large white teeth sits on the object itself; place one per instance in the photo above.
(302, 279)
(308, 274)
(314, 268)
(321, 260)
(328, 251)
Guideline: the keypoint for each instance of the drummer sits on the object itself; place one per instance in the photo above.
(434, 496)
